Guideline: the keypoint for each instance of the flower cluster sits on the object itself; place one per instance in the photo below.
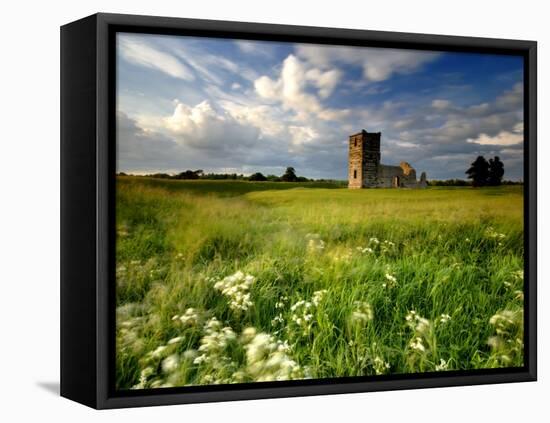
(214, 342)
(387, 247)
(362, 313)
(236, 288)
(507, 344)
(191, 317)
(302, 314)
(491, 233)
(374, 246)
(315, 243)
(422, 332)
(380, 366)
(515, 284)
(365, 250)
(442, 366)
(303, 311)
(268, 358)
(391, 281)
(318, 297)
(443, 318)
(342, 255)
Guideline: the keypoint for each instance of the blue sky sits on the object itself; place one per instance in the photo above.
(247, 106)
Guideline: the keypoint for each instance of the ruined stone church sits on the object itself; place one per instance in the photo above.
(366, 171)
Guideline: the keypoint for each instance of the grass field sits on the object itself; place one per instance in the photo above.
(227, 282)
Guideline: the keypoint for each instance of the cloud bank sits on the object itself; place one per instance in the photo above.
(253, 106)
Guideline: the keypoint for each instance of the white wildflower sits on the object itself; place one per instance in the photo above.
(277, 320)
(316, 245)
(157, 353)
(170, 363)
(380, 366)
(491, 233)
(391, 280)
(444, 318)
(236, 288)
(362, 313)
(417, 344)
(200, 359)
(175, 340)
(318, 296)
(190, 317)
(443, 365)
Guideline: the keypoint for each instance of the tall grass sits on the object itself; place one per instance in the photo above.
(226, 282)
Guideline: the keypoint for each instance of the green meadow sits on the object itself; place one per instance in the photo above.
(227, 281)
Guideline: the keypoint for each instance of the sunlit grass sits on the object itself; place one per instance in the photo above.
(227, 282)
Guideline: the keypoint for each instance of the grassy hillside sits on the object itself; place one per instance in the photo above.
(226, 282)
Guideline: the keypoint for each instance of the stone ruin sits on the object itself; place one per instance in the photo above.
(366, 171)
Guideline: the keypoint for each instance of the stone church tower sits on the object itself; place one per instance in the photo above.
(364, 159)
(366, 171)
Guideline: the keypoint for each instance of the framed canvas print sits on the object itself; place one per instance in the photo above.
(255, 211)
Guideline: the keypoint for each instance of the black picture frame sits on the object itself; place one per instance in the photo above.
(87, 209)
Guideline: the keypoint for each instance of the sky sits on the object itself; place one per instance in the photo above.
(236, 106)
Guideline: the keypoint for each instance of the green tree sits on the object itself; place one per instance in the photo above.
(478, 172)
(496, 171)
(289, 175)
(258, 176)
(189, 174)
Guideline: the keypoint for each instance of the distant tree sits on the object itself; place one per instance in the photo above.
(189, 174)
(289, 175)
(302, 179)
(122, 174)
(258, 176)
(273, 178)
(496, 171)
(160, 176)
(479, 172)
(448, 183)
(505, 182)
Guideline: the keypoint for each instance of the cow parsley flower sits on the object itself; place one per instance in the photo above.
(442, 366)
(170, 363)
(236, 288)
(362, 313)
(380, 366)
(417, 344)
(268, 360)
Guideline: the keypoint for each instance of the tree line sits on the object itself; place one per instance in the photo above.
(482, 172)
(288, 176)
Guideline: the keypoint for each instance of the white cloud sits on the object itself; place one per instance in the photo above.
(503, 138)
(267, 88)
(202, 127)
(141, 53)
(404, 144)
(441, 104)
(378, 64)
(511, 98)
(257, 48)
(325, 81)
(291, 89)
(518, 128)
(141, 149)
(302, 134)
(262, 117)
(210, 66)
(334, 114)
